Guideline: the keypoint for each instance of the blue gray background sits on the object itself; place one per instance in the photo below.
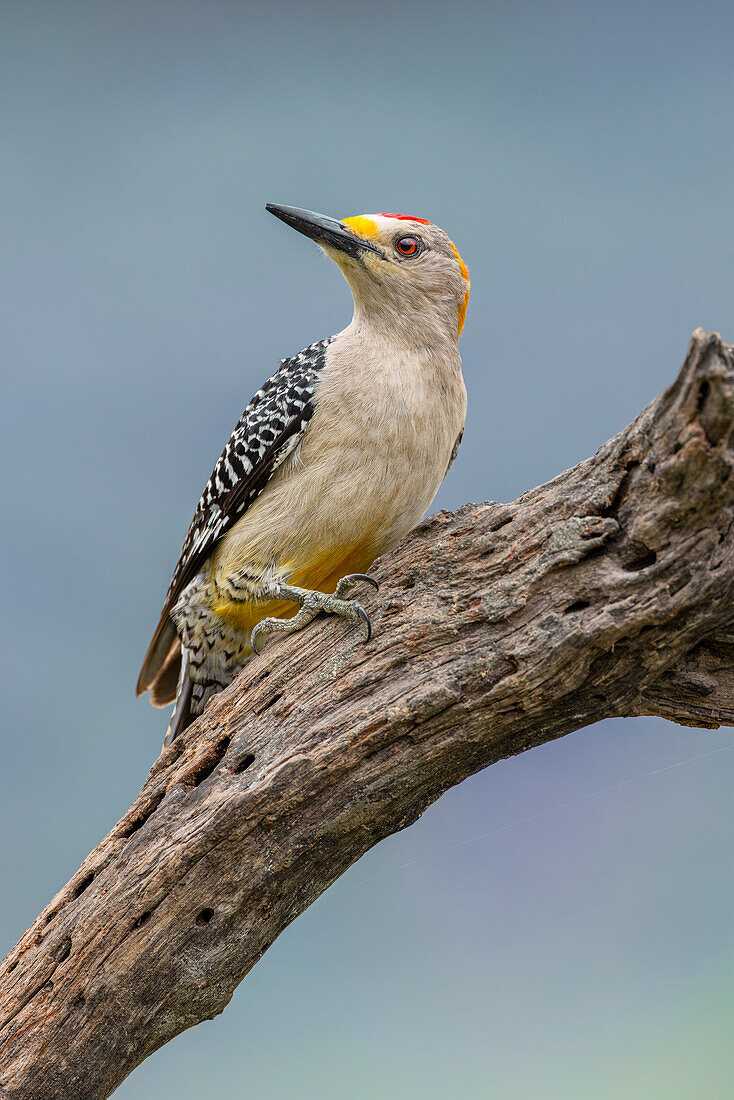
(561, 925)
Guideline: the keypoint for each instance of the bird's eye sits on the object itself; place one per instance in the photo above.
(409, 246)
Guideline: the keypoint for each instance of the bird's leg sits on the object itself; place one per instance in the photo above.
(311, 603)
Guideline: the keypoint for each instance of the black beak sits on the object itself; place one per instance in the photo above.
(323, 230)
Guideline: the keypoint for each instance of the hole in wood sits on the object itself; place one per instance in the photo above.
(204, 916)
(577, 605)
(681, 582)
(142, 919)
(272, 701)
(64, 949)
(501, 521)
(703, 393)
(138, 822)
(612, 509)
(636, 556)
(206, 767)
(86, 881)
(243, 764)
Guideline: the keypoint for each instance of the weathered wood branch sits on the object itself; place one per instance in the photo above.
(607, 591)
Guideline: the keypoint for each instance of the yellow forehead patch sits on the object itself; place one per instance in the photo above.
(465, 274)
(362, 226)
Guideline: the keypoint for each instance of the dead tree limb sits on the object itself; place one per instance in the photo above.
(607, 591)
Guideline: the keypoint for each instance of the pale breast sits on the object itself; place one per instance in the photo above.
(370, 462)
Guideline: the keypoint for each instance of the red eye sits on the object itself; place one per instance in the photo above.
(408, 246)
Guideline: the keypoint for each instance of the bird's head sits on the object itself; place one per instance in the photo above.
(403, 271)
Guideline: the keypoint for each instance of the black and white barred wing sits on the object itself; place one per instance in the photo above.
(266, 433)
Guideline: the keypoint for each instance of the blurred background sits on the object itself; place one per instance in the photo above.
(560, 925)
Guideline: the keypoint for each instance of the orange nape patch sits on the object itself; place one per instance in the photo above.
(321, 575)
(362, 226)
(465, 275)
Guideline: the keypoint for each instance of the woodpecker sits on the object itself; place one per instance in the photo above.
(334, 460)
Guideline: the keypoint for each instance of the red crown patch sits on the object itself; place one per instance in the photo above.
(405, 218)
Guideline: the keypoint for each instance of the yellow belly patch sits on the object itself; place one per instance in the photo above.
(321, 574)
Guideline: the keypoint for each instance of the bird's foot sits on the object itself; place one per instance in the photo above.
(311, 603)
(266, 627)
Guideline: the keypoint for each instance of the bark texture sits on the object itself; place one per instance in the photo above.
(607, 591)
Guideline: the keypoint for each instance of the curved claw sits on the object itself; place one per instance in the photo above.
(362, 614)
(363, 577)
(346, 584)
(258, 645)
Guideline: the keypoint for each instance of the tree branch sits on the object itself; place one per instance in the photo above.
(607, 591)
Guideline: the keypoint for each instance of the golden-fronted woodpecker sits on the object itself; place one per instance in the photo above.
(333, 461)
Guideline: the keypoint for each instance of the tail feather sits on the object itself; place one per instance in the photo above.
(158, 652)
(182, 716)
(165, 686)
